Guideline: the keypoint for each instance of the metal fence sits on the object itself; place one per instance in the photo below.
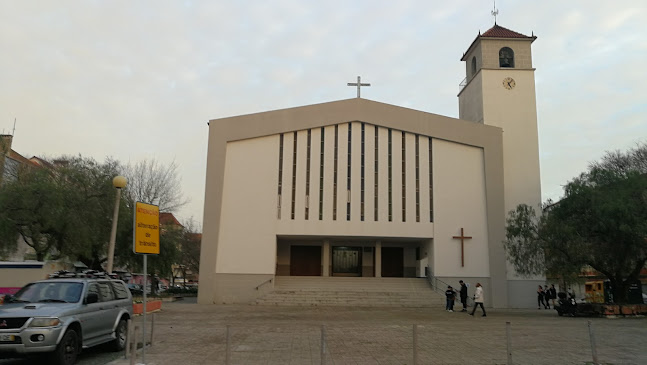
(390, 344)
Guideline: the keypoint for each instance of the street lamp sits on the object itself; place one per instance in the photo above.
(119, 182)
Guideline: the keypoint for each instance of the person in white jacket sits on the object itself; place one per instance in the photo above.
(478, 299)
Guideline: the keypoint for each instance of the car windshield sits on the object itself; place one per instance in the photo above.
(49, 292)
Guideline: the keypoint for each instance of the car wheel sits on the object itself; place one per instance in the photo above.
(67, 349)
(121, 336)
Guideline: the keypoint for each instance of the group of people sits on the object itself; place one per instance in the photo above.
(450, 293)
(545, 296)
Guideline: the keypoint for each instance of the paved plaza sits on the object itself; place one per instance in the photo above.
(188, 333)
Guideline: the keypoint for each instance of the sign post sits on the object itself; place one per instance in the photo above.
(146, 241)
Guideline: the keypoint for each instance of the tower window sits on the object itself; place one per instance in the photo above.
(473, 66)
(506, 57)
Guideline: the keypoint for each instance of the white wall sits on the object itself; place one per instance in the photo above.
(515, 111)
(247, 241)
(250, 199)
(459, 201)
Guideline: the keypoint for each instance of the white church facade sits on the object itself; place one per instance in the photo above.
(366, 189)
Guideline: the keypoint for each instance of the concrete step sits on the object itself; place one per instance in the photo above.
(352, 291)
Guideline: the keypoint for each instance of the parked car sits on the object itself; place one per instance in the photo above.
(56, 318)
(135, 289)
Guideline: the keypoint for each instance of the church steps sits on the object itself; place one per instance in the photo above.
(352, 291)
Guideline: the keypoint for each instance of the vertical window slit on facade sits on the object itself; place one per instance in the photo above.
(348, 169)
(390, 172)
(404, 177)
(362, 177)
(278, 208)
(431, 184)
(308, 175)
(334, 182)
(417, 178)
(375, 174)
(321, 175)
(294, 174)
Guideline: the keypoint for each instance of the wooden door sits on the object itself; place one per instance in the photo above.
(305, 261)
(392, 262)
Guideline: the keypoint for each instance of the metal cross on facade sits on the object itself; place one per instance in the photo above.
(462, 237)
(358, 84)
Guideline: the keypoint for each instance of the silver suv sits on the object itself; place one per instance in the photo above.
(62, 316)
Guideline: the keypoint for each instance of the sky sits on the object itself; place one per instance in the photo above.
(139, 80)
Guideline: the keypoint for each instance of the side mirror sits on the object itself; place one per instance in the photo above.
(92, 298)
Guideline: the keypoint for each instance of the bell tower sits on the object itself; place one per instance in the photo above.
(499, 90)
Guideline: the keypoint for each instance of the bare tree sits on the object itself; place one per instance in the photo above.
(151, 182)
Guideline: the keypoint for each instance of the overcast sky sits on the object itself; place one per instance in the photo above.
(139, 80)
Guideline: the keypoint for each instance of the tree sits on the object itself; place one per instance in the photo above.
(91, 195)
(65, 209)
(152, 183)
(61, 209)
(189, 250)
(601, 222)
(157, 265)
(32, 205)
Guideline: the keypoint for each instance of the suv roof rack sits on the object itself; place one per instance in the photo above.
(92, 274)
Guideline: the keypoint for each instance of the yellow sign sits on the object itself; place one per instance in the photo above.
(147, 229)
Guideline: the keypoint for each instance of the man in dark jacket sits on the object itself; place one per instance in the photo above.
(552, 293)
(450, 294)
(463, 295)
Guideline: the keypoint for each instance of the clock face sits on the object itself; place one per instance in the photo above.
(509, 83)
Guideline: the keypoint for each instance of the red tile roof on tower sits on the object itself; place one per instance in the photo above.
(498, 31)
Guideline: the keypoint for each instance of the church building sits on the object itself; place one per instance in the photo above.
(366, 189)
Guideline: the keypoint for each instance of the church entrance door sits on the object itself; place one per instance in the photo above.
(305, 260)
(346, 261)
(393, 262)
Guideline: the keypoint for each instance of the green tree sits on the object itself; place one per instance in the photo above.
(601, 222)
(63, 209)
(91, 195)
(157, 265)
(189, 250)
(32, 205)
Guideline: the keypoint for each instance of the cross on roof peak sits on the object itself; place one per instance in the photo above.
(358, 84)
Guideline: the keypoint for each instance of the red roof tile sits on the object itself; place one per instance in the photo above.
(498, 31)
(169, 219)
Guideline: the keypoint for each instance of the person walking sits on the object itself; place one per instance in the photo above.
(450, 293)
(552, 293)
(541, 296)
(478, 299)
(463, 295)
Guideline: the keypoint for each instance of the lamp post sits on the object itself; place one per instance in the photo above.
(119, 182)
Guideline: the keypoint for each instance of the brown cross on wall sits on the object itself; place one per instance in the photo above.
(462, 237)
